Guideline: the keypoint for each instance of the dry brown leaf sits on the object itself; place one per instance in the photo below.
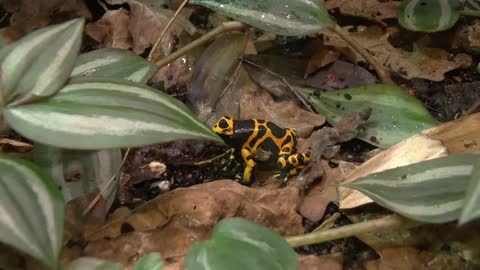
(427, 63)
(319, 59)
(467, 36)
(170, 223)
(324, 262)
(374, 10)
(325, 191)
(341, 75)
(456, 137)
(111, 30)
(286, 114)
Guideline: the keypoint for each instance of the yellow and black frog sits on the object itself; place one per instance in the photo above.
(249, 136)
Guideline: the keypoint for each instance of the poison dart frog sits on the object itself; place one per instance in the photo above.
(248, 136)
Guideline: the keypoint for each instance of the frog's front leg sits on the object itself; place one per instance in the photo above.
(249, 165)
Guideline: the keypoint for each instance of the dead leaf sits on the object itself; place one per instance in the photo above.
(325, 191)
(467, 37)
(456, 137)
(324, 262)
(170, 223)
(427, 63)
(17, 145)
(341, 75)
(111, 30)
(374, 10)
(286, 114)
(319, 59)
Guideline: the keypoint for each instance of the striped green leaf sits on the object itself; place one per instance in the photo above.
(238, 244)
(429, 15)
(97, 113)
(39, 64)
(85, 263)
(471, 209)
(395, 115)
(31, 208)
(92, 170)
(288, 18)
(429, 191)
(152, 261)
(114, 63)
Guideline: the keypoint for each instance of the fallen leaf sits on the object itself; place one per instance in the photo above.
(286, 113)
(427, 63)
(467, 37)
(319, 59)
(324, 262)
(111, 30)
(374, 10)
(340, 75)
(325, 191)
(170, 223)
(456, 137)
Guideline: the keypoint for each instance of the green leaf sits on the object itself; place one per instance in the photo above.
(86, 263)
(237, 243)
(152, 261)
(31, 210)
(395, 115)
(91, 170)
(98, 113)
(39, 64)
(289, 18)
(429, 15)
(114, 63)
(428, 191)
(471, 209)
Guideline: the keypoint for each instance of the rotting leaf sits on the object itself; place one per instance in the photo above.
(374, 10)
(395, 115)
(170, 223)
(422, 62)
(286, 114)
(340, 75)
(111, 31)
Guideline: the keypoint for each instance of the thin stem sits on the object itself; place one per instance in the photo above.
(106, 186)
(376, 225)
(474, 4)
(164, 32)
(382, 73)
(470, 12)
(225, 27)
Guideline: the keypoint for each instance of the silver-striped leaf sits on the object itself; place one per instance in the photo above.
(152, 261)
(31, 211)
(39, 64)
(97, 113)
(92, 170)
(238, 244)
(429, 15)
(85, 263)
(471, 208)
(288, 18)
(114, 63)
(428, 191)
(395, 115)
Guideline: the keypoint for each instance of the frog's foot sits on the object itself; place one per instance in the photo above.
(249, 165)
(283, 176)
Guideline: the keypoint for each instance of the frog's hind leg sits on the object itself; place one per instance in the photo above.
(249, 165)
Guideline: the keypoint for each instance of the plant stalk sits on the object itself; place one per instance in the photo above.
(376, 225)
(225, 27)
(470, 12)
(381, 72)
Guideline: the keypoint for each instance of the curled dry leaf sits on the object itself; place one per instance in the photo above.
(374, 10)
(286, 113)
(427, 63)
(111, 30)
(461, 136)
(170, 223)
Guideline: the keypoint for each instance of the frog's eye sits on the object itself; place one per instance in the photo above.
(223, 124)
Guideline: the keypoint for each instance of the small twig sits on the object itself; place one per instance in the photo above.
(470, 12)
(103, 5)
(106, 186)
(225, 27)
(329, 223)
(474, 4)
(164, 32)
(230, 151)
(284, 81)
(384, 75)
(377, 225)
